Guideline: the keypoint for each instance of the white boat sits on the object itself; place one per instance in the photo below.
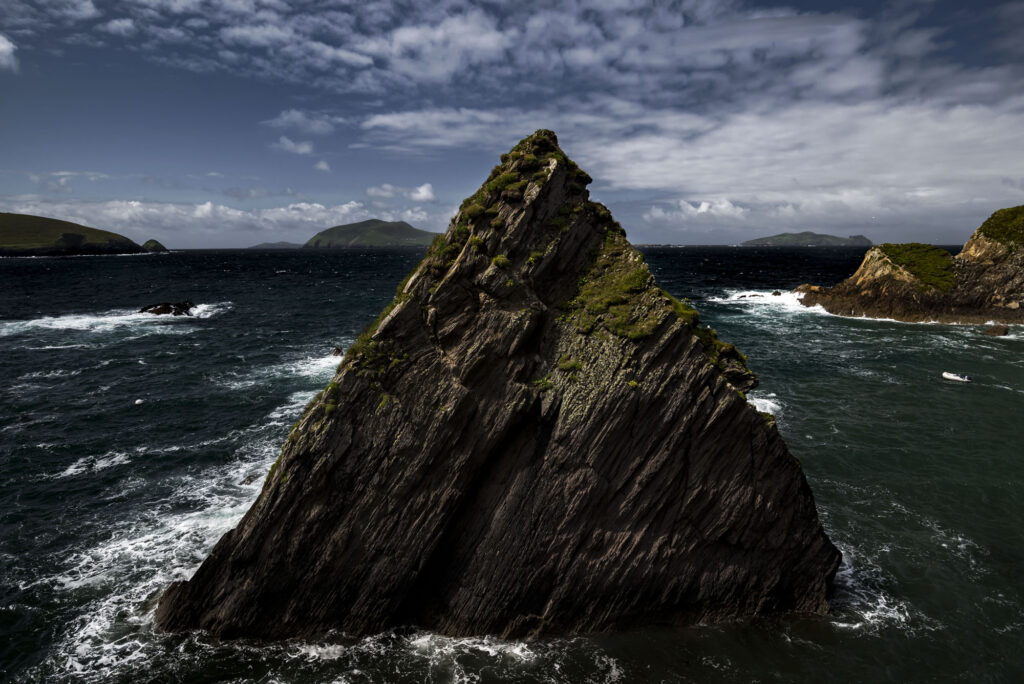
(954, 376)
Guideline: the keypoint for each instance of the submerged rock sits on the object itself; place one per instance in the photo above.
(532, 438)
(169, 308)
(919, 282)
(997, 330)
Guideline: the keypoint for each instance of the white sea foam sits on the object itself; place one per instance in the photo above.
(318, 367)
(108, 321)
(766, 402)
(764, 299)
(49, 375)
(94, 463)
(435, 645)
(861, 601)
(151, 550)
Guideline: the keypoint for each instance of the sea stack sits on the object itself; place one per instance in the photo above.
(918, 282)
(532, 438)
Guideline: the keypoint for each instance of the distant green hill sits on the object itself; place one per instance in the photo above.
(277, 245)
(372, 233)
(153, 246)
(808, 239)
(27, 235)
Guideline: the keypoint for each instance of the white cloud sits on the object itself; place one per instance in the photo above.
(7, 59)
(688, 211)
(124, 26)
(262, 35)
(421, 193)
(384, 190)
(322, 166)
(436, 51)
(315, 123)
(807, 164)
(286, 144)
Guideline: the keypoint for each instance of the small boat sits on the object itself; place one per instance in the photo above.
(954, 376)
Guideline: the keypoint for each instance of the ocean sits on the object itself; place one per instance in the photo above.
(105, 499)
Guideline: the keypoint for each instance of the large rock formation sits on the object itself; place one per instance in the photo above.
(532, 438)
(917, 282)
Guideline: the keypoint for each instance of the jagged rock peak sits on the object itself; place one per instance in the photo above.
(532, 438)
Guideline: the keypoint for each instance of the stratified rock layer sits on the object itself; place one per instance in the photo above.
(984, 282)
(533, 438)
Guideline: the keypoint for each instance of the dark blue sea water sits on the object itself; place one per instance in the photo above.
(104, 501)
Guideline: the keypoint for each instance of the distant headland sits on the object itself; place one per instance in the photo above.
(277, 245)
(808, 239)
(27, 235)
(371, 233)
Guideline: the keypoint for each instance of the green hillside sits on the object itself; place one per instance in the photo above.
(27, 235)
(371, 233)
(808, 239)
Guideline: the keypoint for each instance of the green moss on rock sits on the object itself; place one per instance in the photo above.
(931, 265)
(1005, 226)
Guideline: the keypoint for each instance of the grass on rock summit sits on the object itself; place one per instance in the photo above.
(1005, 226)
(932, 265)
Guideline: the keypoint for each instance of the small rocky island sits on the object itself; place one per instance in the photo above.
(371, 233)
(532, 438)
(27, 235)
(808, 239)
(916, 282)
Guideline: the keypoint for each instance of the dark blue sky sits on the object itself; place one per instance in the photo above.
(220, 123)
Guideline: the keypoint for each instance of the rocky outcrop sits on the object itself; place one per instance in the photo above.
(532, 438)
(169, 308)
(153, 246)
(915, 282)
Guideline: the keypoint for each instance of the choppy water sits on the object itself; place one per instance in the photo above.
(104, 501)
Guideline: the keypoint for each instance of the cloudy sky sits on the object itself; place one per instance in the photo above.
(223, 123)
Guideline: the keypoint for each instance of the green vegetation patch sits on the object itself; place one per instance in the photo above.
(569, 365)
(501, 261)
(611, 293)
(1005, 226)
(544, 383)
(502, 181)
(931, 265)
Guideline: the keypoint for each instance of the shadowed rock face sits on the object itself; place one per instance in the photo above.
(533, 438)
(984, 282)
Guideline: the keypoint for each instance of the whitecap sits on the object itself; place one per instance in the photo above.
(861, 601)
(149, 551)
(765, 402)
(49, 375)
(106, 321)
(94, 463)
(316, 367)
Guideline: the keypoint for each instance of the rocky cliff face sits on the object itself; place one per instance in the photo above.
(533, 438)
(914, 282)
